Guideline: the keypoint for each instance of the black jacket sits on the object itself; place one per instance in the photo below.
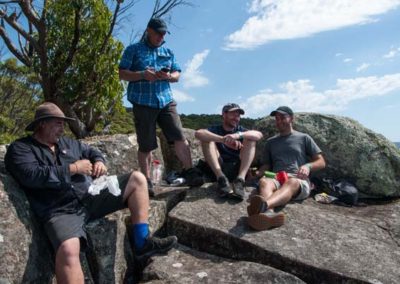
(45, 175)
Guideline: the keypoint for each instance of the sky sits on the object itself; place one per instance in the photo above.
(339, 57)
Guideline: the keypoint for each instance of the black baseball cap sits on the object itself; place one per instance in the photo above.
(232, 107)
(282, 110)
(158, 25)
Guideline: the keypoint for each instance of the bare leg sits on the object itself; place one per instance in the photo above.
(266, 187)
(284, 194)
(182, 151)
(144, 159)
(68, 265)
(246, 157)
(211, 155)
(137, 198)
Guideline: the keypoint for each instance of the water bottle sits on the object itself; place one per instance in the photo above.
(156, 173)
(281, 176)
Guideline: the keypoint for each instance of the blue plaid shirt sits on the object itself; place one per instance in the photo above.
(140, 56)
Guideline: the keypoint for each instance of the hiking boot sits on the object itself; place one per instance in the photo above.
(155, 246)
(150, 188)
(238, 188)
(266, 220)
(224, 187)
(257, 205)
(193, 177)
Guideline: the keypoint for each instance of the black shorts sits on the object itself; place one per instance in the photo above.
(230, 170)
(73, 225)
(146, 118)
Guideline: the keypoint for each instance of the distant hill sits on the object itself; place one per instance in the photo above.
(397, 144)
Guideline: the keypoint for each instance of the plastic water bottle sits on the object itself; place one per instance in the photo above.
(157, 172)
(281, 176)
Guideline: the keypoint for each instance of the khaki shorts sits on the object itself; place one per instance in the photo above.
(305, 188)
(73, 225)
(146, 119)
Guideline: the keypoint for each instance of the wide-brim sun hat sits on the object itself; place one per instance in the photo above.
(46, 110)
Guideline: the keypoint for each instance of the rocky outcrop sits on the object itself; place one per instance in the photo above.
(120, 152)
(352, 152)
(318, 243)
(184, 265)
(24, 248)
(172, 162)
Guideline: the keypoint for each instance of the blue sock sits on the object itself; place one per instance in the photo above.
(140, 233)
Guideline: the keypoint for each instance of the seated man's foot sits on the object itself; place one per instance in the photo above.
(266, 220)
(257, 205)
(153, 246)
(224, 188)
(238, 188)
(150, 188)
(193, 177)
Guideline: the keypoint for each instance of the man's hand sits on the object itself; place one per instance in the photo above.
(161, 75)
(230, 141)
(99, 169)
(304, 171)
(83, 167)
(150, 75)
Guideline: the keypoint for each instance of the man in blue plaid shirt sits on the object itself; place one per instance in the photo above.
(149, 67)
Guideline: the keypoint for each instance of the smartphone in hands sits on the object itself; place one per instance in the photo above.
(165, 69)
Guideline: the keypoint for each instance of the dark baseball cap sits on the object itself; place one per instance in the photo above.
(282, 110)
(158, 25)
(232, 107)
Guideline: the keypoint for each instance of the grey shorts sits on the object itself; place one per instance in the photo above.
(146, 119)
(73, 225)
(305, 188)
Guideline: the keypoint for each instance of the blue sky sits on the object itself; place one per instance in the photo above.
(336, 57)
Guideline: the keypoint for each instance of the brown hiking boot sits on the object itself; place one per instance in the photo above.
(257, 205)
(267, 220)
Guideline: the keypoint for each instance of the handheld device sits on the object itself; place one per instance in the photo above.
(165, 69)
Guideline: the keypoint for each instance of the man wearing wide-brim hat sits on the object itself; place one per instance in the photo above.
(56, 172)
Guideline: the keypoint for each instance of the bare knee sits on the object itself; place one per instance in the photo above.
(137, 181)
(68, 252)
(266, 186)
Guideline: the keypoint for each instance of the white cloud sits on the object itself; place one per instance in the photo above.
(363, 67)
(392, 53)
(181, 97)
(338, 54)
(302, 96)
(346, 60)
(192, 76)
(287, 19)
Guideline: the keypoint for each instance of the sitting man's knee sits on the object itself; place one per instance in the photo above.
(138, 178)
(69, 249)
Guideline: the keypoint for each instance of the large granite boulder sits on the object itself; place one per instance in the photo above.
(351, 151)
(172, 162)
(319, 243)
(24, 248)
(184, 265)
(120, 152)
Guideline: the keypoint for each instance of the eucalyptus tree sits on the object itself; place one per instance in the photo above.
(69, 44)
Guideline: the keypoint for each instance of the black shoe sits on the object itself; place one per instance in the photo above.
(150, 188)
(238, 188)
(193, 177)
(155, 246)
(224, 187)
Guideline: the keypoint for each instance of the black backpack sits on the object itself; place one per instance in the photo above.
(345, 191)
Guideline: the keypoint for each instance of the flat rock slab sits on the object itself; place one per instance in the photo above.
(184, 265)
(318, 243)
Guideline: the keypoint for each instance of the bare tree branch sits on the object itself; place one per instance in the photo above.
(74, 45)
(16, 26)
(30, 13)
(14, 50)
